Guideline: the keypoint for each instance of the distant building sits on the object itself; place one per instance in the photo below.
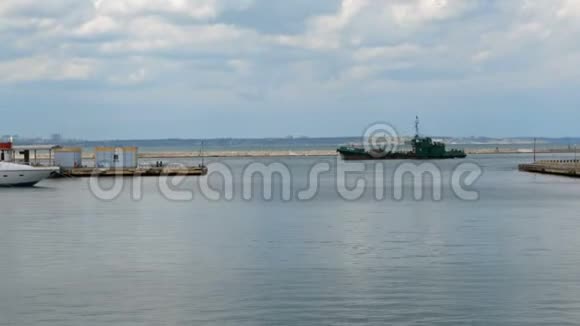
(8, 138)
(56, 138)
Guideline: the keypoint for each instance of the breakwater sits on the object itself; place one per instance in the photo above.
(570, 168)
(136, 172)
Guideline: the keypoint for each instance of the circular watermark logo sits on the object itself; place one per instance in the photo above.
(379, 139)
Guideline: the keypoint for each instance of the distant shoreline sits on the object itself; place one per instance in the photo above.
(297, 153)
(314, 153)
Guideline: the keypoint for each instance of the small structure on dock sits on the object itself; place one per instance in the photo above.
(68, 157)
(29, 153)
(116, 157)
(6, 152)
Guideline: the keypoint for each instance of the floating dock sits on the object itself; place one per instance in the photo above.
(569, 168)
(135, 172)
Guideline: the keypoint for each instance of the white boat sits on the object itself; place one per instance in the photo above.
(19, 175)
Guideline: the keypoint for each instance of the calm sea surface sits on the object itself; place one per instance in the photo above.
(510, 258)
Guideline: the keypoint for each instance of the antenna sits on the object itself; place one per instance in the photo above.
(417, 126)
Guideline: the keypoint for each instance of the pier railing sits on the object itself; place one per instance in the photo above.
(557, 161)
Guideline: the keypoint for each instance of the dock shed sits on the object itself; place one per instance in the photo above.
(68, 157)
(116, 157)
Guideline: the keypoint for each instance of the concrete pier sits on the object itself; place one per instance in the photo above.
(137, 172)
(569, 168)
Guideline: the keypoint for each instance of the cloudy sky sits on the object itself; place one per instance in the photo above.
(104, 69)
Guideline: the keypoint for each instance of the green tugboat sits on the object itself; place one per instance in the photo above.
(423, 148)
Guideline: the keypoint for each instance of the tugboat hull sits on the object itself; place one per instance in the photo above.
(350, 155)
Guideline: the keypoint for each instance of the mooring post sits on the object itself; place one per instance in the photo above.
(534, 150)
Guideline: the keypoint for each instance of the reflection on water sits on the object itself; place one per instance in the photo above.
(512, 257)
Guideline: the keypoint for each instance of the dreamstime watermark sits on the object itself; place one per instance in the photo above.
(380, 139)
(350, 180)
(268, 181)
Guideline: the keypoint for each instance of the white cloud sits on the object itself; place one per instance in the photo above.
(481, 56)
(417, 12)
(149, 34)
(569, 8)
(401, 51)
(324, 32)
(46, 69)
(358, 44)
(131, 78)
(197, 9)
(32, 8)
(358, 22)
(241, 66)
(98, 26)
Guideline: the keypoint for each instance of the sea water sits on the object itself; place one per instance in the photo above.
(511, 257)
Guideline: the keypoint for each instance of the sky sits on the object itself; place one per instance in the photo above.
(125, 69)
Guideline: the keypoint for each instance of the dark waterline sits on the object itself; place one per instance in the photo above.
(510, 258)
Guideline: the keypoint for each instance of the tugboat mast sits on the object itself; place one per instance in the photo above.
(417, 126)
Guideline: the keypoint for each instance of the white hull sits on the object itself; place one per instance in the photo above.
(15, 175)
